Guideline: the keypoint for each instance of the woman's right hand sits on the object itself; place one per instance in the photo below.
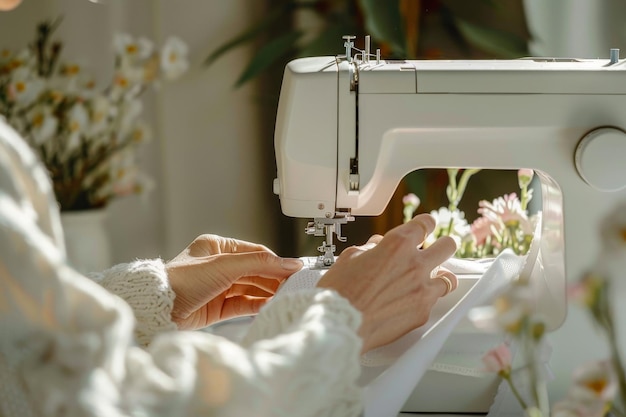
(389, 280)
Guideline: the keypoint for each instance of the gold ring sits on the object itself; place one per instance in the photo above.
(448, 284)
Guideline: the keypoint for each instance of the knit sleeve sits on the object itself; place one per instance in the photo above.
(144, 285)
(67, 345)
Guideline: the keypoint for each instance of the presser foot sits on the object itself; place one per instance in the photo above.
(327, 227)
(326, 260)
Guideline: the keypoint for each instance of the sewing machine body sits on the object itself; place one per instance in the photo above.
(348, 131)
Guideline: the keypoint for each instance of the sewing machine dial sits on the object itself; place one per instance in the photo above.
(600, 159)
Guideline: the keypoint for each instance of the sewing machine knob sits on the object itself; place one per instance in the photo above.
(599, 159)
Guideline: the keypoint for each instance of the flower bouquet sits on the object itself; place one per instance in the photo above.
(87, 137)
(503, 223)
(598, 389)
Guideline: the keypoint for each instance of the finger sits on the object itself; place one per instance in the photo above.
(446, 281)
(242, 306)
(265, 284)
(231, 245)
(367, 246)
(371, 242)
(437, 270)
(375, 239)
(239, 289)
(255, 264)
(440, 251)
(416, 229)
(208, 244)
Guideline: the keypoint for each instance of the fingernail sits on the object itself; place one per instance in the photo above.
(291, 264)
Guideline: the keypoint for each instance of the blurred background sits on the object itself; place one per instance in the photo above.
(212, 154)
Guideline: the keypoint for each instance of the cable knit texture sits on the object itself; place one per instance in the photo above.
(310, 315)
(143, 284)
(67, 347)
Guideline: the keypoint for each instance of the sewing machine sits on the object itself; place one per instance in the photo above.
(349, 128)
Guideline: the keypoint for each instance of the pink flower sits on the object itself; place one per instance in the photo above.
(481, 229)
(506, 210)
(411, 203)
(498, 360)
(524, 177)
(411, 200)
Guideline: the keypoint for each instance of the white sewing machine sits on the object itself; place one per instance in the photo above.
(349, 128)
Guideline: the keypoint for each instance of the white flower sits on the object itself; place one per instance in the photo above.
(5, 55)
(509, 311)
(131, 49)
(594, 381)
(43, 124)
(78, 119)
(77, 124)
(129, 113)
(24, 87)
(71, 79)
(140, 133)
(594, 386)
(126, 83)
(570, 408)
(71, 69)
(24, 58)
(124, 173)
(100, 114)
(174, 58)
(448, 221)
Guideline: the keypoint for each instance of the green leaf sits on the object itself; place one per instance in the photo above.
(384, 22)
(329, 41)
(501, 43)
(267, 55)
(247, 35)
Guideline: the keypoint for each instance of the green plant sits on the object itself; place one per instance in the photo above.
(410, 29)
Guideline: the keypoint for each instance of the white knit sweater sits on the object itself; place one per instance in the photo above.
(69, 347)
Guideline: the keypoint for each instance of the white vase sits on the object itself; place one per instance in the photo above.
(86, 239)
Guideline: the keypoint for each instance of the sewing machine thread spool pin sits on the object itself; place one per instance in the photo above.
(348, 45)
(614, 56)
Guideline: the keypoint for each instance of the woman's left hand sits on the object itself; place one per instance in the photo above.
(217, 278)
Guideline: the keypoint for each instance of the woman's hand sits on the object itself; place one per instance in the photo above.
(389, 280)
(217, 278)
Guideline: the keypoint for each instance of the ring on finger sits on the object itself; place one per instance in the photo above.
(448, 283)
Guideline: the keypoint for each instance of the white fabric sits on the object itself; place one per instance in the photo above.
(67, 346)
(391, 372)
(413, 353)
